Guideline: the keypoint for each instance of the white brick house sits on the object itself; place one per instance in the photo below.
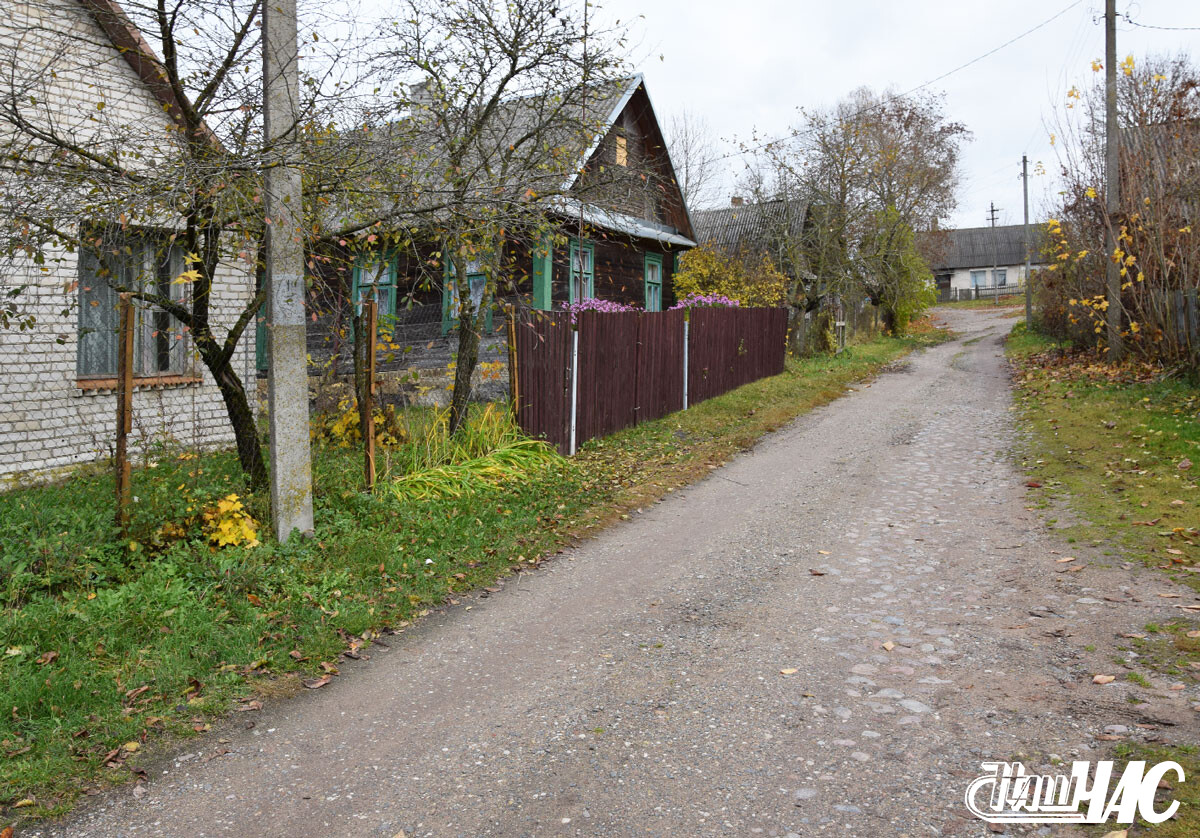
(57, 398)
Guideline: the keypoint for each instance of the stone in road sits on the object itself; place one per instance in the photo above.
(637, 686)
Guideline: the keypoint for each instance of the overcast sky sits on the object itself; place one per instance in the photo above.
(749, 64)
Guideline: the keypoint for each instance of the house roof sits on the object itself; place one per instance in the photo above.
(618, 222)
(983, 247)
(748, 226)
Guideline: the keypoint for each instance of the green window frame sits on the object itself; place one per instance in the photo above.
(653, 275)
(381, 271)
(581, 284)
(476, 279)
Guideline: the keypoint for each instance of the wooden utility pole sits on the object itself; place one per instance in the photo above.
(1112, 184)
(370, 317)
(124, 409)
(1028, 244)
(287, 377)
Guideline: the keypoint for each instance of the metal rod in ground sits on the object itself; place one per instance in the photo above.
(287, 381)
(685, 358)
(574, 386)
(124, 409)
(371, 316)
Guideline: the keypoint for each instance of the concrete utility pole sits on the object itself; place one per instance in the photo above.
(1025, 235)
(1112, 178)
(287, 377)
(992, 214)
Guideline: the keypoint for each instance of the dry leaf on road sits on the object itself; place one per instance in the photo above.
(788, 671)
(1104, 679)
(317, 683)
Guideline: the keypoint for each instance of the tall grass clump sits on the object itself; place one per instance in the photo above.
(487, 450)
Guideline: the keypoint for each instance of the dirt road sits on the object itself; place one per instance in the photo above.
(826, 637)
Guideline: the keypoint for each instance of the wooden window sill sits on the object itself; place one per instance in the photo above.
(150, 382)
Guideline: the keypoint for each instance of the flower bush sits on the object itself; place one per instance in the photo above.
(705, 301)
(595, 304)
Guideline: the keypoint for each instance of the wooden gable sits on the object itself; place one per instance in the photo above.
(630, 170)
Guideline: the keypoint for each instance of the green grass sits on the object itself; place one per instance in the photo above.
(1114, 444)
(1006, 301)
(115, 647)
(1186, 823)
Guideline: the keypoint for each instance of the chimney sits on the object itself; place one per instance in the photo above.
(736, 201)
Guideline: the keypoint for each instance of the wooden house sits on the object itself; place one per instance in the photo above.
(618, 225)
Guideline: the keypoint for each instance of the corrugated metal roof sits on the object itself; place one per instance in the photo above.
(748, 226)
(619, 222)
(983, 247)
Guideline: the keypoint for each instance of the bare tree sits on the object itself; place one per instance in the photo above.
(694, 154)
(874, 171)
(496, 107)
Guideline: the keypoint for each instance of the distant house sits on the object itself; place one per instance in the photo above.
(764, 228)
(57, 391)
(983, 257)
(622, 242)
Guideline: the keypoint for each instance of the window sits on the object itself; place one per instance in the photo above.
(583, 271)
(138, 262)
(622, 151)
(1000, 277)
(978, 279)
(379, 275)
(477, 280)
(654, 274)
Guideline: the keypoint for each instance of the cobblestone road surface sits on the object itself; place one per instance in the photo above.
(636, 685)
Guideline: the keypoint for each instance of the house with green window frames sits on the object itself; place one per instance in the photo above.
(615, 232)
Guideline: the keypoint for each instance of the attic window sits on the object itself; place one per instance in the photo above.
(622, 152)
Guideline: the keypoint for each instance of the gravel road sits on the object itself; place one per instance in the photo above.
(825, 637)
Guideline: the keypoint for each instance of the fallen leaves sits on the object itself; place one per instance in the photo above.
(1064, 560)
(815, 572)
(888, 646)
(317, 683)
(1184, 464)
(46, 657)
(1103, 679)
(788, 671)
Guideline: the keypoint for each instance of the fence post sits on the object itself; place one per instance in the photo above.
(371, 315)
(124, 409)
(574, 383)
(514, 379)
(687, 316)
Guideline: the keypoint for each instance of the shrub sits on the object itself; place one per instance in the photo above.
(750, 280)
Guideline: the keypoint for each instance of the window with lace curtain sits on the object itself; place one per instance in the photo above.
(136, 261)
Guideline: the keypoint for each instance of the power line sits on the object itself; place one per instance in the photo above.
(1163, 28)
(794, 134)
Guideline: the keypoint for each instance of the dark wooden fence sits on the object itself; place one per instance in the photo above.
(630, 365)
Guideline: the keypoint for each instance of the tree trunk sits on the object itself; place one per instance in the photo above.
(889, 319)
(468, 357)
(245, 431)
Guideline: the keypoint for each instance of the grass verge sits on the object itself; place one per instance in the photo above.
(1117, 445)
(1114, 445)
(114, 648)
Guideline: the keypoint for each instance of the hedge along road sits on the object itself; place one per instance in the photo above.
(828, 635)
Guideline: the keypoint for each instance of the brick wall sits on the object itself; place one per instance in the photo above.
(46, 420)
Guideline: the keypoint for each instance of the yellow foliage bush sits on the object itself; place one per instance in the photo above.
(342, 427)
(227, 523)
(752, 281)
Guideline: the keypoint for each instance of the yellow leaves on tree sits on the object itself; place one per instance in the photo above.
(751, 280)
(227, 523)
